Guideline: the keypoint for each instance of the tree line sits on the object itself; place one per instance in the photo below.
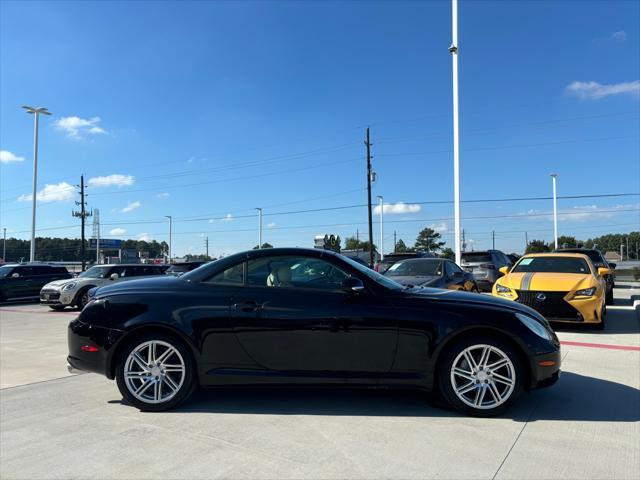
(605, 243)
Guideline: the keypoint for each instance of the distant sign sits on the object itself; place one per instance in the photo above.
(106, 243)
(328, 242)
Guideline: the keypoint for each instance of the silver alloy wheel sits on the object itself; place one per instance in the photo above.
(483, 376)
(154, 372)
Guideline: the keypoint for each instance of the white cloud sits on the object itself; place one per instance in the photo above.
(271, 225)
(117, 231)
(440, 227)
(77, 128)
(398, 208)
(131, 206)
(51, 193)
(163, 195)
(228, 218)
(595, 91)
(7, 157)
(144, 237)
(115, 179)
(620, 35)
(581, 213)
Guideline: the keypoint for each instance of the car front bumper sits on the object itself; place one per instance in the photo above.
(57, 297)
(545, 369)
(91, 348)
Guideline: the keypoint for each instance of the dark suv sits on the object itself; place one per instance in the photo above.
(598, 261)
(485, 266)
(383, 265)
(20, 281)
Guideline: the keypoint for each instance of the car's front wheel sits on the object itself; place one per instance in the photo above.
(481, 376)
(156, 373)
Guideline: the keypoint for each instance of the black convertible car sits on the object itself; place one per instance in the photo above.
(310, 317)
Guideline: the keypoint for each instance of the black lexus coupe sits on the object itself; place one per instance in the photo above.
(309, 317)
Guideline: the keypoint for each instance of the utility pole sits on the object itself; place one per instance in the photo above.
(381, 200)
(453, 49)
(554, 176)
(82, 214)
(395, 241)
(36, 113)
(628, 258)
(493, 237)
(170, 234)
(369, 173)
(259, 228)
(622, 252)
(96, 233)
(526, 241)
(206, 243)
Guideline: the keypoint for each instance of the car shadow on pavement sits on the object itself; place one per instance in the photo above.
(618, 321)
(574, 398)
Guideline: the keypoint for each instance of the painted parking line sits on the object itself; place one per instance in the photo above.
(601, 345)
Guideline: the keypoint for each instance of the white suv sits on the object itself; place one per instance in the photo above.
(74, 291)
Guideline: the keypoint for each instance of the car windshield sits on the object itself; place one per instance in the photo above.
(96, 272)
(414, 268)
(552, 265)
(178, 268)
(476, 257)
(4, 271)
(373, 275)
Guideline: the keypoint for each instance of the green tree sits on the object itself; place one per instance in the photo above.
(428, 241)
(565, 241)
(400, 247)
(448, 253)
(352, 243)
(537, 246)
(264, 245)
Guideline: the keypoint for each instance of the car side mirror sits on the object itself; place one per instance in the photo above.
(114, 276)
(15, 275)
(504, 270)
(352, 285)
(612, 265)
(603, 271)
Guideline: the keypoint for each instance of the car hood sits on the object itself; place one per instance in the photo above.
(415, 280)
(61, 283)
(149, 284)
(547, 282)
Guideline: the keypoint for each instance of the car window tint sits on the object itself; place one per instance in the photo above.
(294, 272)
(24, 271)
(121, 271)
(233, 275)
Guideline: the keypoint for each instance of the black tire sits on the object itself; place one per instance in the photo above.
(185, 389)
(609, 297)
(57, 308)
(601, 326)
(82, 297)
(445, 382)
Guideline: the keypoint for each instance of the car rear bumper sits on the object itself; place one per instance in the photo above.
(90, 347)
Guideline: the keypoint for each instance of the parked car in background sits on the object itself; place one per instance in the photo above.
(74, 292)
(431, 272)
(564, 287)
(21, 281)
(177, 269)
(392, 258)
(291, 316)
(598, 261)
(485, 266)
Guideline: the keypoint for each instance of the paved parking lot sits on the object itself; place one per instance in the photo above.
(57, 425)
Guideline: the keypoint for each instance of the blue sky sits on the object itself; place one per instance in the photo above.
(206, 110)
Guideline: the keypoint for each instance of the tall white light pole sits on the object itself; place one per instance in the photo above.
(170, 234)
(36, 113)
(259, 227)
(381, 200)
(453, 49)
(555, 211)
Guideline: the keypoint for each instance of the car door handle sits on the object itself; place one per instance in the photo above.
(248, 306)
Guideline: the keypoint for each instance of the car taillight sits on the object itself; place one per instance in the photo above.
(89, 348)
(488, 266)
(377, 267)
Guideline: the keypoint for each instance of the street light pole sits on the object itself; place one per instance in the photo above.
(555, 211)
(170, 234)
(36, 112)
(453, 49)
(4, 244)
(259, 228)
(381, 200)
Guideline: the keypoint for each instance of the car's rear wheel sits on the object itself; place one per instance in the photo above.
(481, 376)
(57, 308)
(155, 373)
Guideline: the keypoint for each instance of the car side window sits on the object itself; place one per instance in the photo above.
(294, 272)
(233, 275)
(453, 269)
(24, 271)
(121, 271)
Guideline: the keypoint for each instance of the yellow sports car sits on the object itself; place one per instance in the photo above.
(564, 287)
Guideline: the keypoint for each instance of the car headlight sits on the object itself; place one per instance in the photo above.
(585, 292)
(502, 289)
(535, 326)
(69, 286)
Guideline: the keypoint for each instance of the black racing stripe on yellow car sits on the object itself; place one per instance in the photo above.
(526, 280)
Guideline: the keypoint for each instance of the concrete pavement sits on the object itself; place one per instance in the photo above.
(53, 425)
